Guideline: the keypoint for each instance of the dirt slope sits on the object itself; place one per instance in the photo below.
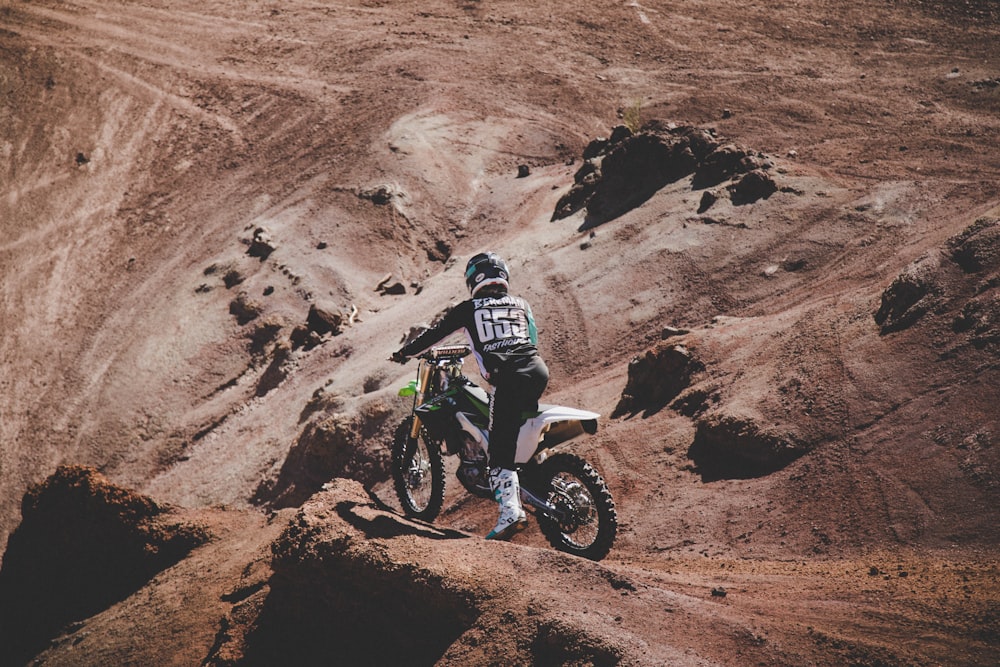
(349, 582)
(187, 188)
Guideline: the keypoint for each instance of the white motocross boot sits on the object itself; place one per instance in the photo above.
(507, 492)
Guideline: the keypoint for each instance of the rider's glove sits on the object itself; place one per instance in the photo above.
(399, 357)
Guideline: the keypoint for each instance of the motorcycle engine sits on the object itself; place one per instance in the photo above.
(472, 469)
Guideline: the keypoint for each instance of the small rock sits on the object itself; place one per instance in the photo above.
(232, 278)
(324, 319)
(669, 332)
(302, 337)
(707, 199)
(261, 246)
(752, 187)
(395, 288)
(244, 309)
(441, 252)
(379, 195)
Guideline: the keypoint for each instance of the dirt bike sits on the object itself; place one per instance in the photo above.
(450, 416)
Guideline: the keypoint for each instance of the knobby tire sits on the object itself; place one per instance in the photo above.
(430, 478)
(565, 538)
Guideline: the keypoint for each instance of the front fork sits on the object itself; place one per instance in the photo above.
(423, 378)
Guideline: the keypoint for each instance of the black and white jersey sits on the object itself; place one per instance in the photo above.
(500, 329)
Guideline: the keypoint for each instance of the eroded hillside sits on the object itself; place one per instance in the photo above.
(218, 219)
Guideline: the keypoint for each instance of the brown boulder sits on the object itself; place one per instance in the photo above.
(753, 186)
(261, 245)
(324, 319)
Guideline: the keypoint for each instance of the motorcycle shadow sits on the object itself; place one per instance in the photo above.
(381, 521)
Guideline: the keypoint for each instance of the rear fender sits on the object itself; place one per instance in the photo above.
(554, 424)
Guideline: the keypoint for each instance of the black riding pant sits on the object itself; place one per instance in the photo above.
(517, 388)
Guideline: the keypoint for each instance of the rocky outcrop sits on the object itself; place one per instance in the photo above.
(960, 282)
(914, 292)
(977, 251)
(977, 248)
(622, 172)
(725, 162)
(334, 594)
(82, 545)
(323, 321)
(336, 445)
(725, 445)
(657, 377)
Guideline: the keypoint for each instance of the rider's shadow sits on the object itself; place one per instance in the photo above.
(382, 522)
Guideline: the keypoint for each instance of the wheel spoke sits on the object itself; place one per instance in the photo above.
(418, 472)
(569, 493)
(418, 478)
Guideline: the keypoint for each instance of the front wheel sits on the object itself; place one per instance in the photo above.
(588, 522)
(417, 472)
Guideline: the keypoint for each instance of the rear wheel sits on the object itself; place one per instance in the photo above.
(417, 472)
(589, 522)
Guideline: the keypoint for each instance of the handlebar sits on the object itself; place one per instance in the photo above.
(447, 352)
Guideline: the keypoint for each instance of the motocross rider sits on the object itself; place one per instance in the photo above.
(501, 331)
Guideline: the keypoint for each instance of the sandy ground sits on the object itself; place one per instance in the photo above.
(144, 333)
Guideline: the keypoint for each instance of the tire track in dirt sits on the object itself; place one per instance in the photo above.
(89, 39)
(567, 326)
(155, 92)
(178, 45)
